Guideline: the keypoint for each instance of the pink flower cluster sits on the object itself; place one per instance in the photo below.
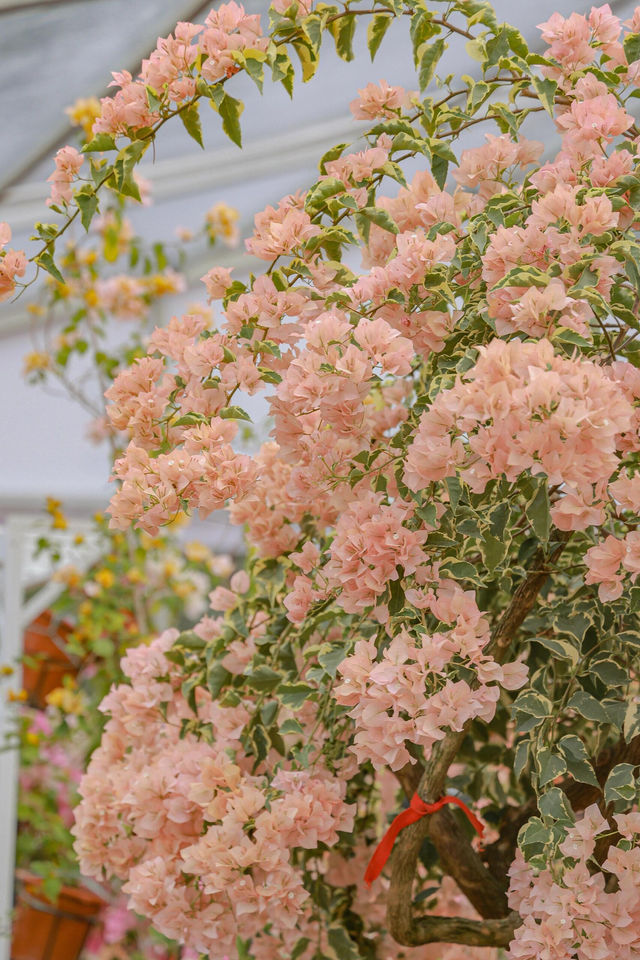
(608, 561)
(68, 162)
(402, 694)
(379, 100)
(370, 543)
(569, 911)
(203, 844)
(485, 166)
(521, 407)
(578, 41)
(13, 263)
(170, 70)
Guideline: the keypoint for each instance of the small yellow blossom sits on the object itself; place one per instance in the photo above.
(197, 552)
(17, 697)
(222, 221)
(83, 113)
(91, 297)
(170, 568)
(183, 589)
(32, 738)
(135, 575)
(69, 575)
(105, 578)
(36, 360)
(59, 521)
(6, 670)
(78, 539)
(69, 701)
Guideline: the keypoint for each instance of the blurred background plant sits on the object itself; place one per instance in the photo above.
(137, 586)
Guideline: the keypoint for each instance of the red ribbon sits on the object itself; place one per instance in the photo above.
(416, 810)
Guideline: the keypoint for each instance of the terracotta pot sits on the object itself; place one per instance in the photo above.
(44, 642)
(43, 930)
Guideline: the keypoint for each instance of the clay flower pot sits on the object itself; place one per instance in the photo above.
(44, 642)
(43, 930)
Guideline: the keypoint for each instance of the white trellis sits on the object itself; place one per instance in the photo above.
(22, 572)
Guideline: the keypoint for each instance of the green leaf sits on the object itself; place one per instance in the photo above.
(88, 204)
(430, 54)
(254, 66)
(631, 637)
(494, 550)
(609, 672)
(459, 569)
(378, 26)
(294, 695)
(230, 110)
(234, 413)
(537, 512)
(341, 945)
(291, 726)
(631, 44)
(553, 805)
(263, 678)
(308, 58)
(380, 217)
(546, 90)
(578, 761)
(521, 758)
(631, 723)
(282, 70)
(100, 143)
(325, 188)
(550, 766)
(621, 784)
(45, 260)
(343, 31)
(331, 659)
(534, 833)
(191, 122)
(217, 678)
(529, 710)
(440, 169)
(588, 707)
(300, 947)
(560, 648)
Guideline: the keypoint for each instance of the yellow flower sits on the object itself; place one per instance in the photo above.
(91, 297)
(36, 360)
(160, 284)
(105, 578)
(83, 113)
(78, 539)
(6, 670)
(18, 697)
(183, 589)
(69, 701)
(170, 568)
(59, 521)
(196, 552)
(32, 738)
(68, 575)
(85, 608)
(135, 575)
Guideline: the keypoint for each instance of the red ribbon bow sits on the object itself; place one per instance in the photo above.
(416, 810)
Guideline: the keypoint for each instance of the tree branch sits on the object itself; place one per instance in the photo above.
(484, 890)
